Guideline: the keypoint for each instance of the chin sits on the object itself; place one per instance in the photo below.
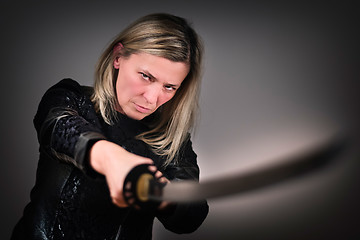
(137, 116)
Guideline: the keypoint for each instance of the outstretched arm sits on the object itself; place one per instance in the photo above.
(68, 130)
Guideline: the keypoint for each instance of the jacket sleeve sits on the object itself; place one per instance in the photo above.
(185, 218)
(61, 125)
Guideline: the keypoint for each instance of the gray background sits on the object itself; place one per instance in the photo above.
(279, 77)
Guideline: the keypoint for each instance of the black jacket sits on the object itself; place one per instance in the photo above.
(70, 200)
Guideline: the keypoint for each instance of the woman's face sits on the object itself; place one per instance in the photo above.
(145, 82)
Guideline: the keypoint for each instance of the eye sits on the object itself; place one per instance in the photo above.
(145, 77)
(170, 88)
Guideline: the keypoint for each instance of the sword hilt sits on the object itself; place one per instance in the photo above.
(142, 189)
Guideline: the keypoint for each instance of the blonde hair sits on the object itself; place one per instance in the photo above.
(166, 36)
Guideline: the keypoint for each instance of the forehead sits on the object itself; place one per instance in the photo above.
(159, 67)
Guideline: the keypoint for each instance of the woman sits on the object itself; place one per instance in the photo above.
(140, 111)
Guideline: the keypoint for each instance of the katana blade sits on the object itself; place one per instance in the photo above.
(149, 189)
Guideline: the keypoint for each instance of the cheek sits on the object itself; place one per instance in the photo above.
(128, 87)
(136, 88)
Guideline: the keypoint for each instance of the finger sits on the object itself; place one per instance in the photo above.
(158, 174)
(119, 202)
(142, 160)
(153, 168)
(161, 178)
(164, 180)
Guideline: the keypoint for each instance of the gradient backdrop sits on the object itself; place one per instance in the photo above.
(278, 78)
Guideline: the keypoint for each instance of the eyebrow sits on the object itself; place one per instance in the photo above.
(152, 77)
(172, 85)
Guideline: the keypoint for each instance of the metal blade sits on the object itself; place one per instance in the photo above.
(305, 162)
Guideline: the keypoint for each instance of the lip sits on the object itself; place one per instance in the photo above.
(142, 109)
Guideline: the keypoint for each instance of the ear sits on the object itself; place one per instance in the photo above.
(117, 48)
(117, 62)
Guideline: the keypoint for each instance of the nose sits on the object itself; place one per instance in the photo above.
(152, 93)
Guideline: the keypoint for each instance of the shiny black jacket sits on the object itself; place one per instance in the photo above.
(70, 200)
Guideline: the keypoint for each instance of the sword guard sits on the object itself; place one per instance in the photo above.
(142, 189)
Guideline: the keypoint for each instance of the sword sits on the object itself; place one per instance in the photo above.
(142, 189)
